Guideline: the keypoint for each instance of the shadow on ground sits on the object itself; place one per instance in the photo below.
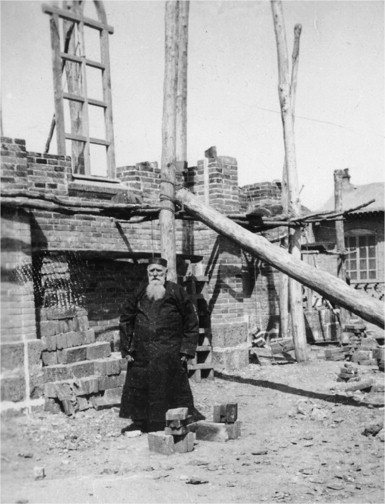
(335, 399)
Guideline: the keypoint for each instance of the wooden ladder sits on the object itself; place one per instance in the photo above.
(202, 364)
(71, 57)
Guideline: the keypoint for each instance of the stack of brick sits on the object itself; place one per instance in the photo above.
(78, 372)
(224, 426)
(176, 437)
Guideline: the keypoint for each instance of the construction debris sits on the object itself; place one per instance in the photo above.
(348, 373)
(373, 429)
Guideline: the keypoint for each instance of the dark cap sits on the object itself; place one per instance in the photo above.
(158, 260)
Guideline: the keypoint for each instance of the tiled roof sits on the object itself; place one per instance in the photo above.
(353, 196)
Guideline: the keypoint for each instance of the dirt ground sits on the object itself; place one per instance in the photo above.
(302, 441)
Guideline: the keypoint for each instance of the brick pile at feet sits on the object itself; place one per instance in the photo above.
(175, 437)
(180, 434)
(225, 425)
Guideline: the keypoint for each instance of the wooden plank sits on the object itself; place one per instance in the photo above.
(326, 284)
(80, 59)
(84, 139)
(107, 98)
(78, 18)
(98, 141)
(74, 84)
(85, 118)
(57, 85)
(200, 366)
(97, 103)
(73, 97)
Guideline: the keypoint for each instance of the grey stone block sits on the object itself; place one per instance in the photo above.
(160, 442)
(13, 388)
(98, 351)
(209, 431)
(231, 359)
(229, 335)
(12, 355)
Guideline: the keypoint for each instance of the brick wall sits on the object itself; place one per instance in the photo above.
(76, 262)
(255, 194)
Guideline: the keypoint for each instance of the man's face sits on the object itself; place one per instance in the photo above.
(156, 274)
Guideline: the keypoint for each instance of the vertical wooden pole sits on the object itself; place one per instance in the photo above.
(57, 84)
(284, 279)
(181, 98)
(295, 288)
(181, 115)
(73, 73)
(168, 162)
(340, 235)
(284, 298)
(106, 83)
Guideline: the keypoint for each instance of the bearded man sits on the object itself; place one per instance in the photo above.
(158, 334)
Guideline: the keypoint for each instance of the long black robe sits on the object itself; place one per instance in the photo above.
(156, 333)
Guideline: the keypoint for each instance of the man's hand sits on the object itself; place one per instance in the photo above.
(129, 358)
(184, 358)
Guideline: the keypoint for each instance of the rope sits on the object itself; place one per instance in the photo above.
(165, 197)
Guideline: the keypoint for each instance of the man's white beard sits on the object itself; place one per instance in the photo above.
(155, 291)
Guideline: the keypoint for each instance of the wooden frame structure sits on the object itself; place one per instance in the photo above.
(74, 22)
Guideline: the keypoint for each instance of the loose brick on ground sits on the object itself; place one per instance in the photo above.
(160, 442)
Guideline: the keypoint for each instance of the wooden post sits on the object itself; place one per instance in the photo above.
(181, 98)
(295, 289)
(284, 299)
(73, 73)
(284, 279)
(326, 284)
(57, 85)
(340, 235)
(168, 162)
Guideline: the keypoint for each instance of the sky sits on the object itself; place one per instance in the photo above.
(232, 97)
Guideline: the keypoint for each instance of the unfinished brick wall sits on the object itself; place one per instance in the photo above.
(222, 263)
(260, 280)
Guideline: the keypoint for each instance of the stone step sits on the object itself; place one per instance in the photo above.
(68, 340)
(111, 398)
(108, 366)
(85, 352)
(86, 386)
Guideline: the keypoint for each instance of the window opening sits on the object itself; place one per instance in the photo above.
(361, 263)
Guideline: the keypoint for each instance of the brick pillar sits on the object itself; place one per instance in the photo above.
(143, 180)
(223, 265)
(21, 382)
(14, 167)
